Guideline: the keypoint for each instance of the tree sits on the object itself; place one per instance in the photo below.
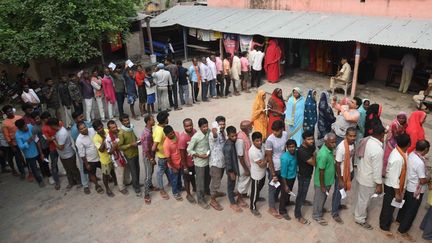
(65, 30)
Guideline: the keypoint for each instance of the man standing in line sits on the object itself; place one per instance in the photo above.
(75, 93)
(324, 177)
(243, 145)
(163, 80)
(235, 73)
(212, 83)
(306, 160)
(128, 143)
(148, 155)
(187, 161)
(258, 169)
(173, 90)
(119, 88)
(256, 64)
(409, 63)
(109, 92)
(150, 90)
(158, 142)
(118, 159)
(49, 134)
(232, 169)
(275, 147)
(172, 152)
(195, 79)
(288, 175)
(142, 94)
(394, 182)
(369, 173)
(245, 71)
(183, 84)
(344, 171)
(417, 182)
(199, 149)
(52, 97)
(96, 82)
(227, 75)
(107, 167)
(219, 75)
(131, 90)
(206, 76)
(66, 101)
(87, 93)
(89, 155)
(217, 140)
(63, 143)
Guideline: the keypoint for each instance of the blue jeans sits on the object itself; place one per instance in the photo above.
(204, 91)
(273, 191)
(32, 164)
(54, 167)
(162, 169)
(175, 178)
(213, 88)
(303, 187)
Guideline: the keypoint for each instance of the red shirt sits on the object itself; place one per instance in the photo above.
(139, 78)
(172, 151)
(184, 139)
(48, 132)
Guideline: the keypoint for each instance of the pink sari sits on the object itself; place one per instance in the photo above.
(396, 129)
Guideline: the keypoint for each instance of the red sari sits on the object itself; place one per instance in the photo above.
(271, 61)
(277, 104)
(415, 128)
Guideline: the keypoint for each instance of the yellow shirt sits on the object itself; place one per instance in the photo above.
(104, 157)
(159, 137)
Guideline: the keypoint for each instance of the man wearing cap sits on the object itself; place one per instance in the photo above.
(163, 79)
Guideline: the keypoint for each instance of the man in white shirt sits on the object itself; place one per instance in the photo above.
(409, 63)
(369, 174)
(416, 186)
(243, 144)
(206, 76)
(344, 74)
(211, 63)
(29, 96)
(343, 174)
(87, 151)
(257, 171)
(256, 63)
(235, 73)
(394, 182)
(217, 139)
(162, 79)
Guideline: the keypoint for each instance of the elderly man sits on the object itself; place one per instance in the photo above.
(344, 74)
(163, 80)
(243, 145)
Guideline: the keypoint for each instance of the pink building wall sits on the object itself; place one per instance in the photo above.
(398, 8)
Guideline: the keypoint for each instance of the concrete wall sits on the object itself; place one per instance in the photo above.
(135, 44)
(399, 8)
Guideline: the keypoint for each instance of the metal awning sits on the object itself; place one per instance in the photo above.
(389, 31)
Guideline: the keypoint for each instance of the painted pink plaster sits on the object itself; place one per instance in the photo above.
(394, 8)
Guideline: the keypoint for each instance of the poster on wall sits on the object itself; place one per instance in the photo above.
(245, 42)
(231, 43)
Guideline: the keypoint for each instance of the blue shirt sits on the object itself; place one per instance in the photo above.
(288, 165)
(192, 74)
(130, 85)
(182, 75)
(29, 149)
(74, 130)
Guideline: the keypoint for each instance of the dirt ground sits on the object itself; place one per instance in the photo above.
(32, 214)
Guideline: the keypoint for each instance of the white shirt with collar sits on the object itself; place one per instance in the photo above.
(370, 166)
(416, 170)
(212, 67)
(30, 97)
(205, 72)
(86, 147)
(394, 168)
(257, 61)
(162, 78)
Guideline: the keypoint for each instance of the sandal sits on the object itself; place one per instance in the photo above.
(216, 206)
(236, 208)
(365, 225)
(164, 195)
(321, 222)
(274, 214)
(389, 234)
(242, 204)
(147, 199)
(99, 190)
(303, 221)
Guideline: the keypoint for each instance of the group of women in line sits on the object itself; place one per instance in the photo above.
(307, 114)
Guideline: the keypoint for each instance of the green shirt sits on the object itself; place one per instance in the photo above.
(199, 144)
(125, 139)
(325, 161)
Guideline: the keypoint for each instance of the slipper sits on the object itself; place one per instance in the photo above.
(164, 195)
(236, 208)
(365, 225)
(321, 222)
(303, 221)
(216, 206)
(389, 234)
(242, 204)
(99, 189)
(147, 200)
(275, 214)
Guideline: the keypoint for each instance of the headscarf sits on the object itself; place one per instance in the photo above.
(396, 128)
(294, 116)
(372, 118)
(325, 115)
(310, 112)
(273, 54)
(362, 119)
(279, 101)
(258, 105)
(415, 128)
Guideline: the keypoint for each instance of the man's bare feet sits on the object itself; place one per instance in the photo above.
(236, 208)
(274, 213)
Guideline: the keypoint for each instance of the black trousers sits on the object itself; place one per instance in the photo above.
(219, 85)
(285, 197)
(386, 215)
(120, 97)
(256, 78)
(408, 212)
(256, 187)
(195, 89)
(227, 84)
(173, 95)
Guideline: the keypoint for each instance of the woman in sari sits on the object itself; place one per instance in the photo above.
(259, 117)
(373, 115)
(294, 115)
(310, 112)
(276, 109)
(361, 122)
(415, 128)
(397, 127)
(325, 116)
(271, 61)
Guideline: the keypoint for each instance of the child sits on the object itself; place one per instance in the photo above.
(258, 170)
(288, 173)
(151, 90)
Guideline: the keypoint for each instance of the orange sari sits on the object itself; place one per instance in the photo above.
(259, 117)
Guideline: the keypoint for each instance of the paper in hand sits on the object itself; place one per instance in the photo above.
(343, 193)
(375, 195)
(112, 66)
(292, 194)
(397, 204)
(275, 184)
(215, 124)
(129, 63)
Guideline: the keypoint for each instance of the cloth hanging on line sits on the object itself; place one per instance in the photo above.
(203, 35)
(193, 32)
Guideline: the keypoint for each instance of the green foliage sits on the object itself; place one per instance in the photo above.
(62, 29)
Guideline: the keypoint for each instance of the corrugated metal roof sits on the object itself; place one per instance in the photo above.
(402, 32)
